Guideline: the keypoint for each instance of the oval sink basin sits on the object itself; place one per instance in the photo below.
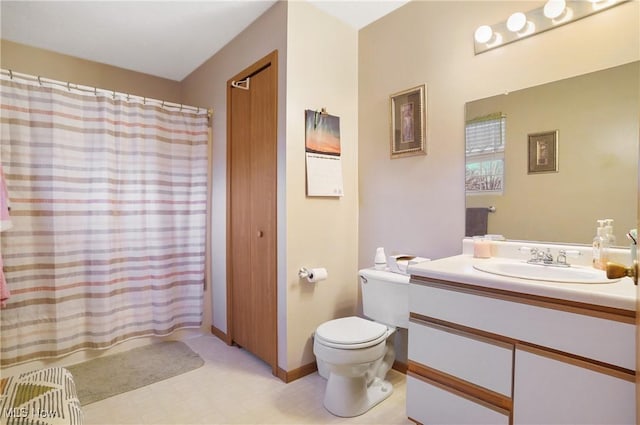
(573, 274)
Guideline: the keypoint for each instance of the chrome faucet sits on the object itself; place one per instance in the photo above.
(545, 258)
(562, 257)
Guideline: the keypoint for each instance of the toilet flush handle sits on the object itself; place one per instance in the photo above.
(364, 279)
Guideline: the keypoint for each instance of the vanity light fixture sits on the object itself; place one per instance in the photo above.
(520, 25)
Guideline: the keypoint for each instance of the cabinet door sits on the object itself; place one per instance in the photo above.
(554, 391)
(431, 403)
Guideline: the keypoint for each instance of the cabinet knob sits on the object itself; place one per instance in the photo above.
(260, 233)
(616, 271)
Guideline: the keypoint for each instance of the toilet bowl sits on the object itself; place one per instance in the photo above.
(354, 354)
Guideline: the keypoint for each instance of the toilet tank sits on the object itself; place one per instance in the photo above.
(385, 297)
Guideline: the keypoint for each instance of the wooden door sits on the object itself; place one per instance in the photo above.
(252, 194)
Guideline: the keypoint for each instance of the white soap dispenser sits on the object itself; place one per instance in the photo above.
(608, 230)
(600, 247)
(380, 260)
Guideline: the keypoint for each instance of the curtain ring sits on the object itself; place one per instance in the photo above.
(39, 80)
(11, 74)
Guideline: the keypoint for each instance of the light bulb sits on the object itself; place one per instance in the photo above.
(483, 34)
(516, 22)
(554, 8)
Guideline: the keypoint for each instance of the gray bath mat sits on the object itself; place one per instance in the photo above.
(118, 373)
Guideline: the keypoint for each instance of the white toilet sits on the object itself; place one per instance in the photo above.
(355, 354)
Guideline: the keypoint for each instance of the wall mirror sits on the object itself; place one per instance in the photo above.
(570, 158)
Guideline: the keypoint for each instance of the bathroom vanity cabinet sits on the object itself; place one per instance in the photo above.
(496, 353)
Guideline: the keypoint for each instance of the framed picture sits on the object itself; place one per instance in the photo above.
(543, 152)
(408, 122)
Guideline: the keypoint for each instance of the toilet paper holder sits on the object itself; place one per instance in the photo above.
(313, 275)
(304, 273)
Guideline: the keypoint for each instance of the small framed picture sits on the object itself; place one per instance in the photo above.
(408, 122)
(543, 152)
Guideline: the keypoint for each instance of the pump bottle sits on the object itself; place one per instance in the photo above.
(608, 230)
(600, 247)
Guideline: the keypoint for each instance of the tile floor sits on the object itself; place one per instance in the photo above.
(234, 387)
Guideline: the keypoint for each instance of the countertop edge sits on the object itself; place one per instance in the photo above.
(619, 295)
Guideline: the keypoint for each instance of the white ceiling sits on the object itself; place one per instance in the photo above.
(164, 38)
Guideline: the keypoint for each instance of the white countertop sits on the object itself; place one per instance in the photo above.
(621, 294)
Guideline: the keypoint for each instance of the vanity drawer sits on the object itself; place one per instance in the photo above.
(513, 317)
(477, 360)
(430, 403)
(569, 392)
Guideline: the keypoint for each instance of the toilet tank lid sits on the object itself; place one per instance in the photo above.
(384, 275)
(350, 330)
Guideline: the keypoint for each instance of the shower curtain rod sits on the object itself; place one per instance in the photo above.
(72, 86)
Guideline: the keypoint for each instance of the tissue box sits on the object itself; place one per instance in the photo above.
(400, 263)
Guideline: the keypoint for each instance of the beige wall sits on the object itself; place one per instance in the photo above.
(45, 63)
(321, 232)
(416, 204)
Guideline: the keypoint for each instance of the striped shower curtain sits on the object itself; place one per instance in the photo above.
(108, 205)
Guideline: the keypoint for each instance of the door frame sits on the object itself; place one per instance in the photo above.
(269, 60)
(638, 304)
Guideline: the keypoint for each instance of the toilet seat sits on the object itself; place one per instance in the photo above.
(350, 333)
